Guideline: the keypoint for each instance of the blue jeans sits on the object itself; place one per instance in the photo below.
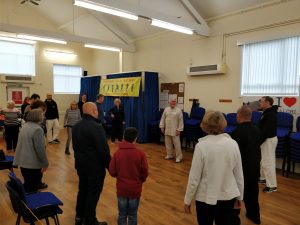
(128, 207)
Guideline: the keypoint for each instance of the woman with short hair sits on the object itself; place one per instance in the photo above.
(31, 151)
(11, 125)
(216, 176)
(118, 120)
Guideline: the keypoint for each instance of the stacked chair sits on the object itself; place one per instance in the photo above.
(231, 122)
(294, 149)
(32, 206)
(192, 128)
(186, 117)
(284, 128)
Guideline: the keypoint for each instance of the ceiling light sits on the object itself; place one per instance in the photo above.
(171, 26)
(11, 39)
(38, 38)
(102, 8)
(59, 54)
(114, 49)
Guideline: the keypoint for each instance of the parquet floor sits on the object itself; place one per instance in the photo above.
(163, 192)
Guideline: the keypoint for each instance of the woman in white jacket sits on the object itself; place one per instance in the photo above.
(216, 176)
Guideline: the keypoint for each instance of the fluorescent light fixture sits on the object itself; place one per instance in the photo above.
(38, 38)
(11, 39)
(59, 54)
(107, 48)
(171, 26)
(102, 8)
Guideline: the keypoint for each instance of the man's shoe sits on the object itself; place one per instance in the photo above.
(169, 157)
(178, 160)
(269, 189)
(78, 221)
(42, 186)
(49, 142)
(253, 219)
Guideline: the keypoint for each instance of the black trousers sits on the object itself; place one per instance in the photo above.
(251, 191)
(117, 130)
(11, 136)
(221, 213)
(32, 178)
(89, 190)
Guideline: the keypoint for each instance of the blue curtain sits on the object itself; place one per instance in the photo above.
(90, 86)
(151, 103)
(132, 105)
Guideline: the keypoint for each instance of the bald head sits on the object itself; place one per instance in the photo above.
(244, 114)
(90, 108)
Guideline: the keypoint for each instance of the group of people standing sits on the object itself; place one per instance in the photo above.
(227, 169)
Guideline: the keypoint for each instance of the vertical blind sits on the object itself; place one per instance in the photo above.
(271, 68)
(66, 79)
(17, 58)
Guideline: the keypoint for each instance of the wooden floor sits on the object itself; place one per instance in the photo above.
(163, 192)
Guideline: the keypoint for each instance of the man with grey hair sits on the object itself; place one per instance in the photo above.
(171, 124)
(52, 120)
(92, 157)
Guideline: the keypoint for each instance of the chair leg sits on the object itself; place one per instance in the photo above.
(18, 219)
(283, 165)
(47, 220)
(294, 167)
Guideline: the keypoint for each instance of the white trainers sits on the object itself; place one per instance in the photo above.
(169, 157)
(178, 160)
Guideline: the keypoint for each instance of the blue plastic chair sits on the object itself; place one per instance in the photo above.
(294, 147)
(31, 206)
(255, 117)
(232, 123)
(7, 163)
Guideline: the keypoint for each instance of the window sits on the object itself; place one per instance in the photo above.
(66, 79)
(17, 58)
(271, 68)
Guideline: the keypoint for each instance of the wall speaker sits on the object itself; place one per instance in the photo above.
(85, 73)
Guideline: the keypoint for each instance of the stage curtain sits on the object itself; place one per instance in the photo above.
(90, 86)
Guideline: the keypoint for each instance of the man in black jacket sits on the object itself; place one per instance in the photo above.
(248, 138)
(268, 140)
(52, 120)
(92, 157)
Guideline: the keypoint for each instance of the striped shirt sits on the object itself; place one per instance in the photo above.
(12, 117)
(72, 117)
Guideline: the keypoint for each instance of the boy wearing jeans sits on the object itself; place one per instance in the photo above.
(129, 165)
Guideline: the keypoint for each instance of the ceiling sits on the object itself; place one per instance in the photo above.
(78, 21)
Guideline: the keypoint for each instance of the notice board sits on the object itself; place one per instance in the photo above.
(169, 91)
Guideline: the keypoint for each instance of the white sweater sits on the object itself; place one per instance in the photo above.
(216, 171)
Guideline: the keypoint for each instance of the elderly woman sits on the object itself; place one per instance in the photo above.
(118, 120)
(216, 176)
(11, 125)
(31, 151)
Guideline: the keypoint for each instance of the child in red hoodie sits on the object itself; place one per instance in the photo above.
(129, 165)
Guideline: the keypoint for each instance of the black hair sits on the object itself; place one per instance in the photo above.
(35, 96)
(269, 99)
(130, 134)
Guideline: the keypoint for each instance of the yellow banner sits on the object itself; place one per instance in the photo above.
(121, 87)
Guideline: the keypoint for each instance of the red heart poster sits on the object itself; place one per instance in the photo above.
(289, 101)
(17, 97)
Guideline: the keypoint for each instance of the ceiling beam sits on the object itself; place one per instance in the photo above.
(67, 37)
(126, 39)
(194, 13)
(201, 29)
(73, 21)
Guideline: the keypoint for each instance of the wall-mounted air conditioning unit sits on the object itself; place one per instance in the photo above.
(207, 69)
(17, 79)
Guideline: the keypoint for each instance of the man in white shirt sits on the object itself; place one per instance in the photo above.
(171, 124)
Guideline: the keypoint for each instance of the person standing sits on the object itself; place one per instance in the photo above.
(129, 165)
(99, 101)
(118, 120)
(248, 138)
(268, 128)
(26, 102)
(216, 175)
(81, 102)
(92, 157)
(11, 125)
(52, 120)
(171, 124)
(31, 151)
(72, 117)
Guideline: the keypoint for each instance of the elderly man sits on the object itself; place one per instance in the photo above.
(171, 124)
(92, 157)
(52, 120)
(248, 138)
